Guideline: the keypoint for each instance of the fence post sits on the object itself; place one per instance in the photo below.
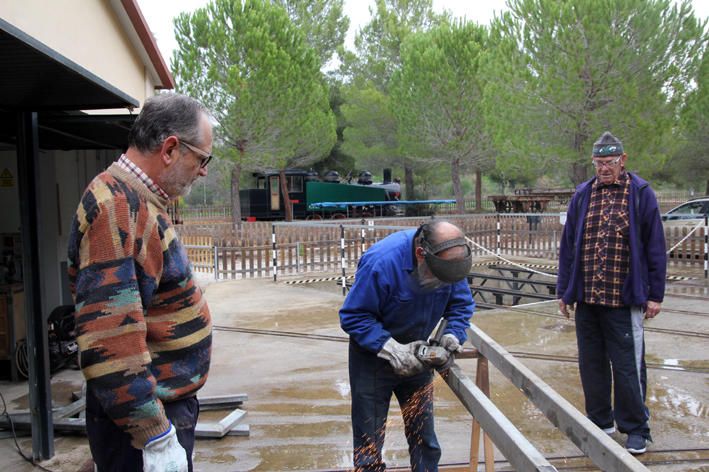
(216, 263)
(497, 249)
(361, 240)
(297, 257)
(274, 267)
(706, 246)
(342, 259)
(554, 244)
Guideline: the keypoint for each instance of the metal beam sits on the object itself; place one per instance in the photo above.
(597, 445)
(37, 342)
(520, 453)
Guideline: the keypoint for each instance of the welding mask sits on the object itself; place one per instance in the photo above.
(445, 270)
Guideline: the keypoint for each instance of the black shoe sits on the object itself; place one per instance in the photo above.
(636, 444)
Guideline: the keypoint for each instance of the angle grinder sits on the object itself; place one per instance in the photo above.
(433, 353)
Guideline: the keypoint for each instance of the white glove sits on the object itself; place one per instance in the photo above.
(164, 454)
(450, 342)
(402, 357)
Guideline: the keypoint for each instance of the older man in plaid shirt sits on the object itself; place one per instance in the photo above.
(612, 266)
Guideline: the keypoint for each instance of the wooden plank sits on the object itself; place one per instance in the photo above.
(520, 453)
(597, 445)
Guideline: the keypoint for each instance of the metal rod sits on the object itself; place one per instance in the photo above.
(37, 341)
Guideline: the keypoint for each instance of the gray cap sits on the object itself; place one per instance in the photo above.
(607, 145)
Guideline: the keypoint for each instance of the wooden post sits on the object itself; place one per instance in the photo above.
(482, 380)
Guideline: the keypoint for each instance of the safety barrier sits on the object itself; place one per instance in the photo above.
(258, 249)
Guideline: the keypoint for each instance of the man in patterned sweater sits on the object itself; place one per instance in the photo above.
(144, 328)
(612, 267)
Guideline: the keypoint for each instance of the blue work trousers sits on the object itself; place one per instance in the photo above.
(373, 382)
(612, 353)
(110, 446)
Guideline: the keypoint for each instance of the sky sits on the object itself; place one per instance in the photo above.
(159, 15)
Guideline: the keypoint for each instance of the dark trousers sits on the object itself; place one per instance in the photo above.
(373, 381)
(110, 446)
(612, 353)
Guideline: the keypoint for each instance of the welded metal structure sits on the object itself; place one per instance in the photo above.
(597, 445)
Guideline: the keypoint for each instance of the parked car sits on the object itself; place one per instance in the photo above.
(687, 214)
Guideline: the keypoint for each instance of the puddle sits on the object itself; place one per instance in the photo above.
(679, 401)
(313, 319)
(292, 408)
(679, 364)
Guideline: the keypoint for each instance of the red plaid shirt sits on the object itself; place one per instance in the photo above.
(605, 251)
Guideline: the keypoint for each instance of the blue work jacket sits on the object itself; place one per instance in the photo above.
(386, 300)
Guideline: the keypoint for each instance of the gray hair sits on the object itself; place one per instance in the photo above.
(167, 114)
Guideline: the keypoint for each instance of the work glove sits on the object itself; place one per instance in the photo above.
(450, 342)
(164, 453)
(402, 357)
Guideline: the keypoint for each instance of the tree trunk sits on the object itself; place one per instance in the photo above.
(286, 196)
(457, 191)
(706, 192)
(409, 181)
(478, 190)
(235, 200)
(579, 173)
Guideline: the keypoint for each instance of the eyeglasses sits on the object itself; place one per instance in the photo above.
(611, 163)
(206, 157)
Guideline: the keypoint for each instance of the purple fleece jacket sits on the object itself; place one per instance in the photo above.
(648, 261)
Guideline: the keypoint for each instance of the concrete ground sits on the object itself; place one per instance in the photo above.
(298, 388)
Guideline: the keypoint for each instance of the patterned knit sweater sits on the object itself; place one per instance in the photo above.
(144, 328)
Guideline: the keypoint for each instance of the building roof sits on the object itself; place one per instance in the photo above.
(146, 39)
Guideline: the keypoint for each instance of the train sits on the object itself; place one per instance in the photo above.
(313, 197)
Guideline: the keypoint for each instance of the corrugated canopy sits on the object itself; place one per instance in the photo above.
(34, 77)
(73, 130)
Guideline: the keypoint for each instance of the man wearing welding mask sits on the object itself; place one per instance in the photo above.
(404, 285)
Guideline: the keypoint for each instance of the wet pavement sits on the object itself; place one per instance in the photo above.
(298, 390)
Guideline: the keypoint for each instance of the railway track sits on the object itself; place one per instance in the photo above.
(676, 332)
(680, 457)
(518, 354)
(684, 312)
